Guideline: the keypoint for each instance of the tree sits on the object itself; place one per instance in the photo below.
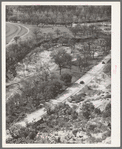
(16, 38)
(11, 72)
(108, 45)
(74, 31)
(57, 31)
(69, 18)
(68, 60)
(77, 13)
(46, 90)
(88, 109)
(92, 29)
(63, 13)
(43, 71)
(79, 61)
(36, 31)
(9, 12)
(102, 43)
(93, 50)
(35, 19)
(55, 87)
(71, 43)
(60, 58)
(67, 78)
(90, 43)
(13, 18)
(43, 21)
(16, 52)
(86, 53)
(11, 60)
(61, 40)
(50, 36)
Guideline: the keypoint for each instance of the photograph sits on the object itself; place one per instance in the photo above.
(60, 74)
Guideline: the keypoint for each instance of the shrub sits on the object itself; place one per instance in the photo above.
(107, 112)
(74, 115)
(76, 98)
(22, 135)
(97, 111)
(16, 38)
(20, 141)
(88, 109)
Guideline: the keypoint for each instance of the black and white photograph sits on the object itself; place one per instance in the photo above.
(60, 64)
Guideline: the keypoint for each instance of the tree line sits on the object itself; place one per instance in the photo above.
(64, 15)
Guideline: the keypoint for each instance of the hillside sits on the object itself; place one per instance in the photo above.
(58, 77)
(84, 118)
(90, 119)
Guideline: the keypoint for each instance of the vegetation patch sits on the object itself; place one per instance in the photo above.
(63, 125)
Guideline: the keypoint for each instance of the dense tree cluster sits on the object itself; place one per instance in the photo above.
(64, 119)
(62, 59)
(85, 31)
(64, 15)
(15, 53)
(36, 92)
(9, 12)
(67, 78)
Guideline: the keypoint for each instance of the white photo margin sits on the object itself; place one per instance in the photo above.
(115, 78)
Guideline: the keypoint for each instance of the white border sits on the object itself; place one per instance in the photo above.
(115, 77)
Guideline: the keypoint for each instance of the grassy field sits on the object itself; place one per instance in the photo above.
(11, 31)
(48, 29)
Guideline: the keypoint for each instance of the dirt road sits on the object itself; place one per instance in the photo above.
(14, 29)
